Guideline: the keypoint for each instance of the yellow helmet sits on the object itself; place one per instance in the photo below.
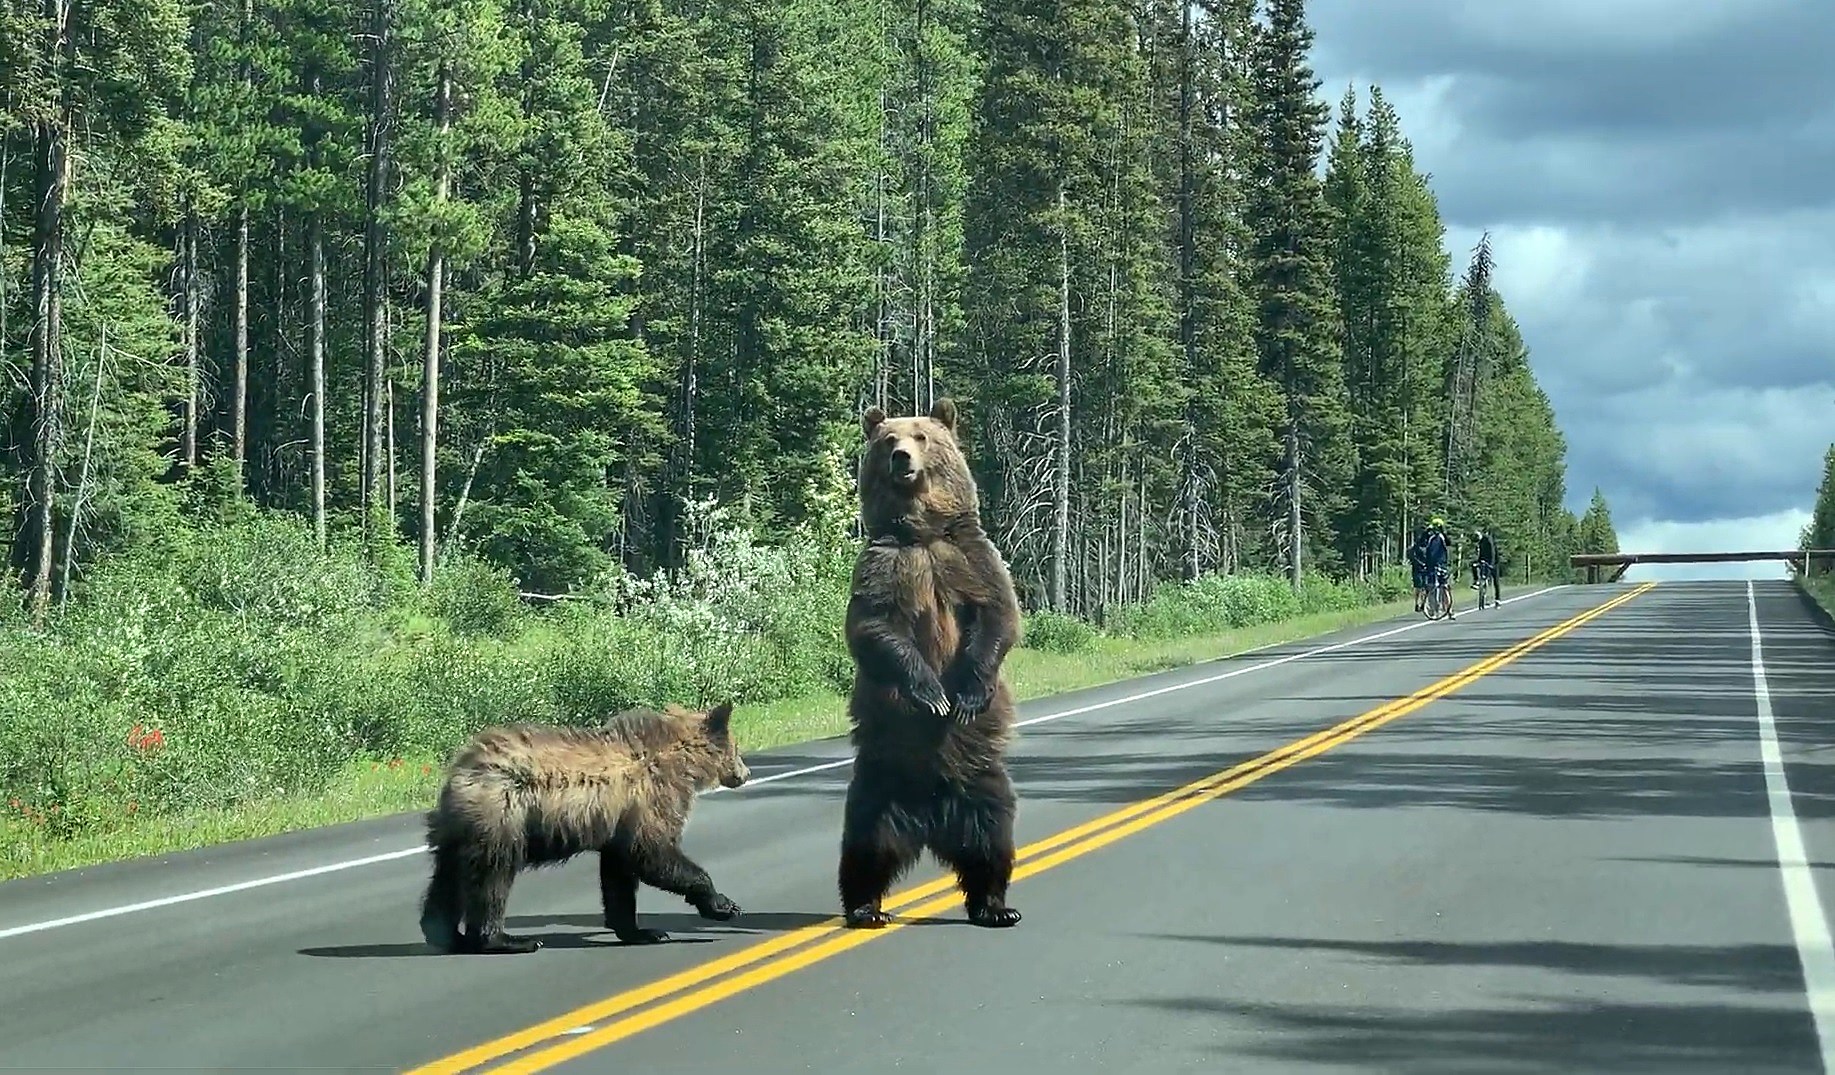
(1437, 523)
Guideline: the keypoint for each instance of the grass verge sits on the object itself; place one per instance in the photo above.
(371, 789)
(1821, 588)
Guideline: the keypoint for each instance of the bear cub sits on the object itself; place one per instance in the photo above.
(930, 619)
(528, 795)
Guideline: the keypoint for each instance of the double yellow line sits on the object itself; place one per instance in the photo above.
(579, 1031)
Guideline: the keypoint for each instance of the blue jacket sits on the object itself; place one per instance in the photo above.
(1435, 552)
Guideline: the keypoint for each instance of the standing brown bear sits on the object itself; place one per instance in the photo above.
(931, 618)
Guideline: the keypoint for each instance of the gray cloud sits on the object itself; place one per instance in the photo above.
(1656, 176)
(1613, 112)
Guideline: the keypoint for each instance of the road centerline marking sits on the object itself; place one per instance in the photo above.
(1809, 924)
(542, 1045)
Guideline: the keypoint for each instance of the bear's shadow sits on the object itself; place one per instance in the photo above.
(682, 929)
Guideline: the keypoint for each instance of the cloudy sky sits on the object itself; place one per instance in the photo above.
(1658, 178)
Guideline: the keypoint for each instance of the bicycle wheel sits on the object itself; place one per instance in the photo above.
(1432, 607)
(1484, 580)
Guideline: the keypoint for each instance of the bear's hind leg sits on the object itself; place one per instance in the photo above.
(484, 907)
(444, 903)
(877, 847)
(975, 837)
(618, 890)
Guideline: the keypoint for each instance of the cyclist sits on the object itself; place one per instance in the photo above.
(1487, 561)
(1417, 563)
(1437, 554)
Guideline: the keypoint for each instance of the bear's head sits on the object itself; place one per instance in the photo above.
(711, 748)
(914, 476)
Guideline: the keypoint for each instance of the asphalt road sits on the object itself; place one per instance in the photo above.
(1564, 859)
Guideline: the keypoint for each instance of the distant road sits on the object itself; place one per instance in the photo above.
(1542, 838)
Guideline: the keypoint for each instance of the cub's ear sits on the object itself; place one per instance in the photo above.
(871, 419)
(944, 411)
(719, 718)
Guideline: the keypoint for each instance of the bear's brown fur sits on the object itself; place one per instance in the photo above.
(528, 795)
(931, 617)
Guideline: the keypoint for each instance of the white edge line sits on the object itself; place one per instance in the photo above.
(387, 856)
(1808, 923)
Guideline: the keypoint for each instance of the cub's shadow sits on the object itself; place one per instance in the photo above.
(682, 929)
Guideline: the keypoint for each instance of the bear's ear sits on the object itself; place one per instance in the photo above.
(719, 718)
(871, 419)
(944, 411)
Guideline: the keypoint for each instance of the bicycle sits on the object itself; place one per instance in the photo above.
(1439, 594)
(1483, 573)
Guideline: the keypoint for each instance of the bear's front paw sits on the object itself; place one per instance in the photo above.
(971, 700)
(930, 695)
(718, 908)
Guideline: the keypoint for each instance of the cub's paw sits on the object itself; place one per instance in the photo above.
(867, 917)
(506, 945)
(641, 936)
(994, 917)
(718, 908)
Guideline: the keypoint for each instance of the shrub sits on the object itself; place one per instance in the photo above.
(1055, 632)
(237, 661)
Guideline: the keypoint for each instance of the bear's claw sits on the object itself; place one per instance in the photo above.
(719, 908)
(868, 918)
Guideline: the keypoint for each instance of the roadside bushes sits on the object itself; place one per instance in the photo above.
(237, 662)
(1217, 603)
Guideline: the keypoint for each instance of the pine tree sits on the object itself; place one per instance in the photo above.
(554, 394)
(1298, 336)
(1820, 533)
(1595, 532)
(97, 84)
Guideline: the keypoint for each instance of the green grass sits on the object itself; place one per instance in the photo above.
(369, 789)
(1821, 588)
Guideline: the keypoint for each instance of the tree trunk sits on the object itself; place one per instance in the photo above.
(188, 245)
(1293, 497)
(883, 277)
(375, 267)
(430, 384)
(82, 481)
(1188, 331)
(924, 231)
(315, 357)
(388, 399)
(51, 185)
(1060, 537)
(691, 364)
(525, 226)
(240, 404)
